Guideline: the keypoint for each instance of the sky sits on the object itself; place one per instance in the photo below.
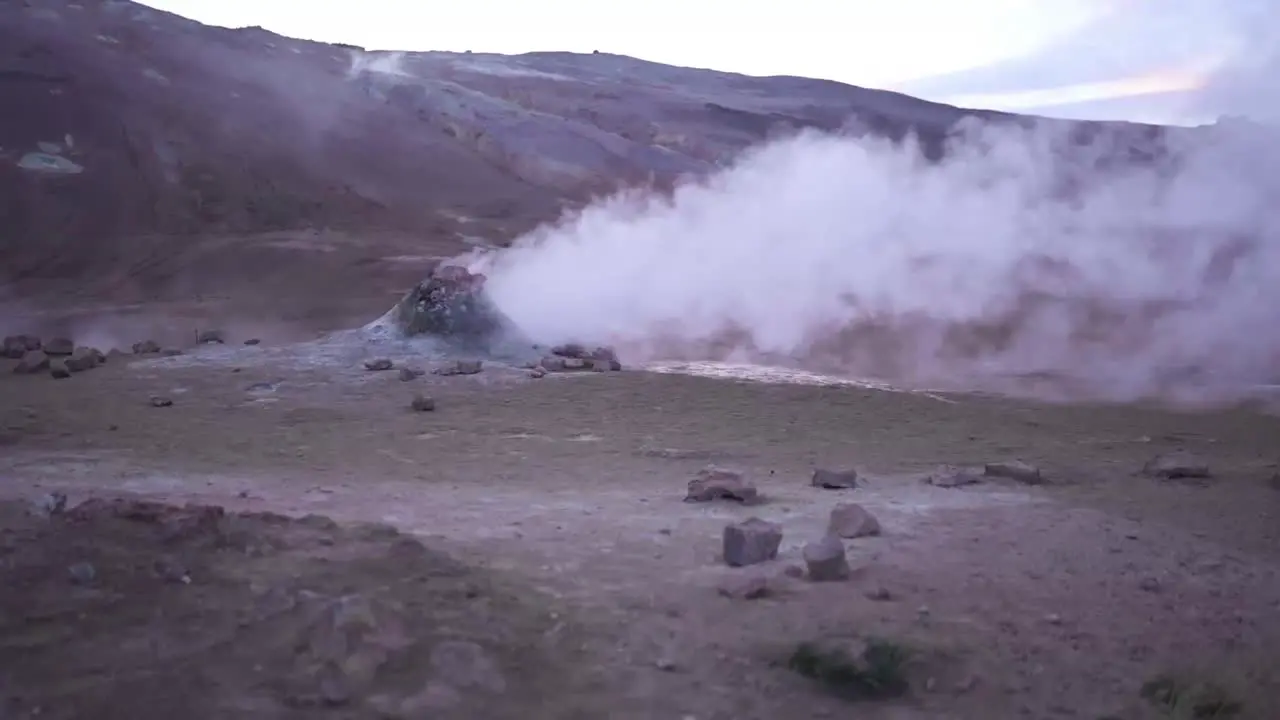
(1141, 60)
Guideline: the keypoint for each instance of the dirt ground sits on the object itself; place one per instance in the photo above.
(557, 572)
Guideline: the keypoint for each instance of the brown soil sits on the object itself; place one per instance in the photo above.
(556, 541)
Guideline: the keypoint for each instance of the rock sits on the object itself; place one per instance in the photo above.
(210, 337)
(835, 479)
(749, 587)
(378, 364)
(33, 361)
(1016, 470)
(825, 560)
(452, 303)
(82, 573)
(58, 369)
(85, 358)
(409, 374)
(114, 353)
(466, 666)
(850, 520)
(604, 365)
(59, 346)
(1176, 465)
(460, 367)
(170, 352)
(422, 403)
(15, 346)
(252, 341)
(950, 476)
(146, 347)
(716, 483)
(538, 372)
(570, 350)
(552, 363)
(751, 542)
(53, 503)
(161, 401)
(879, 593)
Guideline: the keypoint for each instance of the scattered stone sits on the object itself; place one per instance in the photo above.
(161, 401)
(33, 361)
(171, 570)
(113, 353)
(666, 665)
(717, 483)
(749, 587)
(574, 364)
(422, 403)
(58, 369)
(950, 476)
(825, 560)
(538, 372)
(1016, 470)
(408, 374)
(1177, 465)
(378, 364)
(1149, 584)
(82, 573)
(85, 358)
(835, 479)
(604, 365)
(170, 352)
(552, 364)
(59, 346)
(850, 520)
(252, 341)
(146, 347)
(751, 542)
(15, 346)
(210, 337)
(460, 367)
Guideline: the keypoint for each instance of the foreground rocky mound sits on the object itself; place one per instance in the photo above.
(451, 303)
(134, 609)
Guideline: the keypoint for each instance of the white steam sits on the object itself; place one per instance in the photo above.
(1015, 255)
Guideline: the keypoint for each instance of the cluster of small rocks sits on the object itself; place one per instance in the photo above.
(755, 540)
(574, 357)
(59, 356)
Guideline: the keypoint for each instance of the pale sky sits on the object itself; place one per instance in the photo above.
(1143, 60)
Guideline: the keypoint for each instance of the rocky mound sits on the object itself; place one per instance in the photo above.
(134, 609)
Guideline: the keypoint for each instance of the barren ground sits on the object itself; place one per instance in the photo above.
(559, 559)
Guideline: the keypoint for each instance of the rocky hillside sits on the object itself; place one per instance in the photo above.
(132, 122)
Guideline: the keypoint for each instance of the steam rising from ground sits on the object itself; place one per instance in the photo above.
(1014, 256)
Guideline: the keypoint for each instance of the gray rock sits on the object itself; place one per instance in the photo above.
(53, 503)
(850, 520)
(835, 479)
(1017, 470)
(461, 367)
(950, 476)
(410, 374)
(59, 346)
(15, 346)
(33, 361)
(1176, 465)
(170, 352)
(210, 337)
(751, 542)
(825, 560)
(85, 358)
(146, 347)
(748, 587)
(378, 364)
(161, 401)
(252, 341)
(551, 363)
(82, 573)
(570, 350)
(422, 403)
(58, 368)
(717, 483)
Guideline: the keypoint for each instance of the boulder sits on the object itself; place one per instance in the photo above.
(422, 403)
(146, 347)
(58, 368)
(210, 337)
(378, 364)
(1017, 470)
(460, 367)
(825, 560)
(850, 520)
(951, 476)
(84, 358)
(835, 479)
(1177, 465)
(33, 361)
(716, 483)
(59, 346)
(751, 542)
(15, 346)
